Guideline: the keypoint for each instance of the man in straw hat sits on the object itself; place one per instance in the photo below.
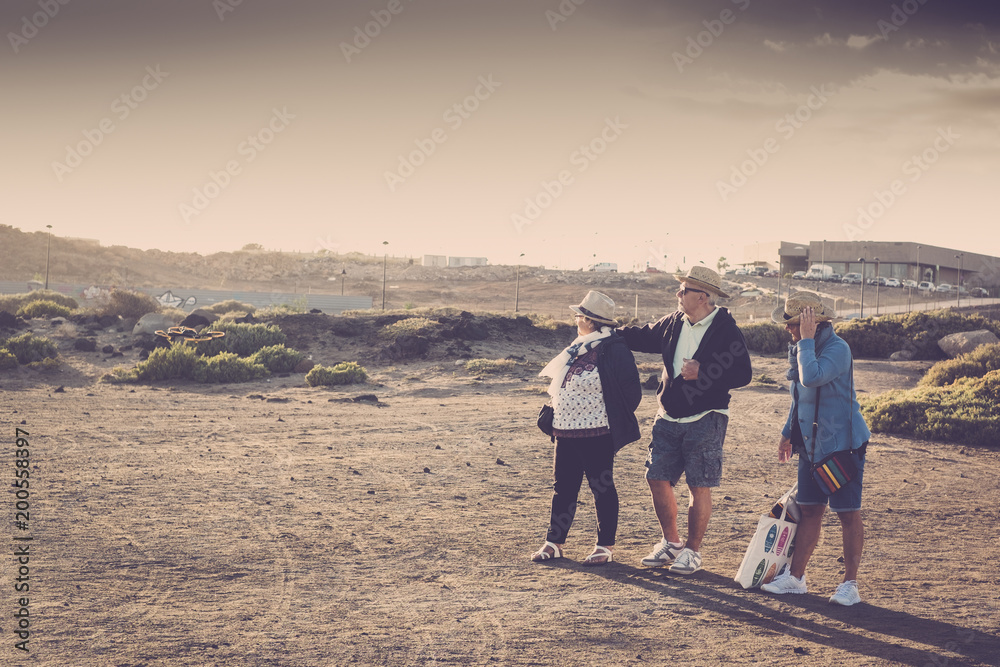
(704, 357)
(824, 418)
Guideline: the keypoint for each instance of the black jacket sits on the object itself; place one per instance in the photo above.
(723, 355)
(621, 388)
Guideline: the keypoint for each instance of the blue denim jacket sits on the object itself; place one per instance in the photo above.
(825, 361)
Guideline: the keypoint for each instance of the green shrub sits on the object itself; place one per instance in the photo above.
(7, 360)
(966, 411)
(228, 367)
(46, 364)
(347, 372)
(14, 302)
(766, 337)
(177, 362)
(918, 332)
(129, 305)
(277, 358)
(242, 338)
(231, 305)
(975, 364)
(43, 308)
(411, 326)
(490, 366)
(27, 348)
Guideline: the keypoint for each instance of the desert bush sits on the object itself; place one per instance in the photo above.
(347, 372)
(7, 360)
(14, 302)
(228, 367)
(46, 364)
(43, 308)
(177, 362)
(966, 411)
(918, 332)
(490, 366)
(299, 305)
(766, 337)
(277, 358)
(975, 364)
(129, 305)
(242, 338)
(412, 326)
(229, 306)
(28, 348)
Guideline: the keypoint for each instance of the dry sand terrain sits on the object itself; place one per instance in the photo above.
(271, 523)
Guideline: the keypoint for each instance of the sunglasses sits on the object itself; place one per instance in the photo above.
(684, 290)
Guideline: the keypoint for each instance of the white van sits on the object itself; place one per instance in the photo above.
(604, 267)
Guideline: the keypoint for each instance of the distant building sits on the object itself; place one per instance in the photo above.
(893, 259)
(467, 261)
(435, 260)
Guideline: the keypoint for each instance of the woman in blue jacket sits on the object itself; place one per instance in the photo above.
(595, 390)
(821, 367)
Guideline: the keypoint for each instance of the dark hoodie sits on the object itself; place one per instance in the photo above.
(723, 355)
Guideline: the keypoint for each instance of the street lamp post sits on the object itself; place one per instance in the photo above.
(343, 279)
(862, 260)
(517, 281)
(877, 278)
(958, 287)
(385, 259)
(48, 248)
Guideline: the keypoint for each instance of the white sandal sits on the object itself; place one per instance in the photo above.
(543, 555)
(599, 553)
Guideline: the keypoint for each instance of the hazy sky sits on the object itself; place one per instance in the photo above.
(569, 131)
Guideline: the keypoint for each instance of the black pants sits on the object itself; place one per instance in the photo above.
(574, 458)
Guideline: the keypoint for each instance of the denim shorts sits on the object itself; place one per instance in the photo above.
(694, 449)
(844, 499)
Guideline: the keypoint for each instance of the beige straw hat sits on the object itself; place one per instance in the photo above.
(703, 278)
(794, 305)
(598, 307)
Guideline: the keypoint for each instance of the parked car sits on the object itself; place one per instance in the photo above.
(944, 288)
(799, 275)
(892, 282)
(851, 278)
(741, 272)
(910, 284)
(880, 280)
(979, 292)
(926, 286)
(834, 278)
(772, 274)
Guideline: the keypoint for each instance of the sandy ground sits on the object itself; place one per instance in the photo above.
(271, 523)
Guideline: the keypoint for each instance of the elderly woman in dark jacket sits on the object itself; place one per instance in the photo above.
(595, 391)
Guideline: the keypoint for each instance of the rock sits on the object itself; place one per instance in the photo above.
(56, 323)
(966, 341)
(901, 355)
(304, 366)
(407, 347)
(652, 382)
(315, 311)
(150, 323)
(107, 321)
(9, 321)
(116, 354)
(471, 329)
(198, 318)
(108, 349)
(85, 345)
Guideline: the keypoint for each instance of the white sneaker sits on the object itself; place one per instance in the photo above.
(688, 562)
(665, 552)
(847, 594)
(785, 583)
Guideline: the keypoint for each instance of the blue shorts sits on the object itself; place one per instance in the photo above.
(844, 499)
(694, 449)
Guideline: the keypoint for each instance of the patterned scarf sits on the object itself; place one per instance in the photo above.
(556, 369)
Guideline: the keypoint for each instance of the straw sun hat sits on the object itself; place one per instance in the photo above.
(598, 307)
(796, 303)
(703, 278)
